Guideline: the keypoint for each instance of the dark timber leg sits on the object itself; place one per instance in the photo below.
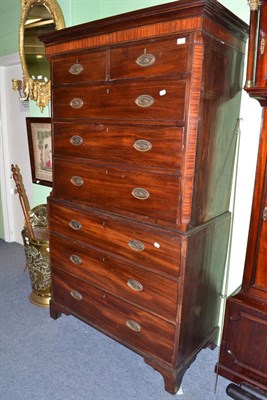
(172, 376)
(211, 346)
(54, 311)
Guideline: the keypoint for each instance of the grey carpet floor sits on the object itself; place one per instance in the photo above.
(67, 360)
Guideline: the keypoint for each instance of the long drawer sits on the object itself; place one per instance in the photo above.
(141, 193)
(153, 248)
(156, 146)
(142, 287)
(149, 100)
(124, 321)
(149, 58)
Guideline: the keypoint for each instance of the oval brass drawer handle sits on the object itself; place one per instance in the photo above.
(144, 100)
(136, 245)
(133, 325)
(75, 225)
(76, 295)
(76, 69)
(76, 140)
(75, 259)
(77, 181)
(142, 145)
(76, 103)
(140, 193)
(135, 285)
(145, 60)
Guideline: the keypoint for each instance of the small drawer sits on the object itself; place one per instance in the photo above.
(85, 67)
(156, 249)
(126, 322)
(149, 58)
(149, 100)
(138, 145)
(144, 288)
(149, 195)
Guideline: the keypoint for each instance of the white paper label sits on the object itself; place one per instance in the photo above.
(181, 40)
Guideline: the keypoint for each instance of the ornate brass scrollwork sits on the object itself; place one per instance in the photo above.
(254, 4)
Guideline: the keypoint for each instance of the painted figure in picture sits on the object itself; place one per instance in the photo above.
(47, 157)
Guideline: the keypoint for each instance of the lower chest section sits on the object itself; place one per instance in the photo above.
(119, 275)
(126, 322)
(153, 289)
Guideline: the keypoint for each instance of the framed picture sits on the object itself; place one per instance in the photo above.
(40, 148)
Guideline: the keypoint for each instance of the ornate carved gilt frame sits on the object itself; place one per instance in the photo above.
(33, 89)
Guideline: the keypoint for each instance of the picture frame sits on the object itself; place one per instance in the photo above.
(40, 149)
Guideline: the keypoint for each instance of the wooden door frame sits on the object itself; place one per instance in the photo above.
(5, 173)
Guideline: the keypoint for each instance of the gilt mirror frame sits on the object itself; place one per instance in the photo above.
(34, 89)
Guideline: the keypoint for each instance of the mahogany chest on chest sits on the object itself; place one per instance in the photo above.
(144, 110)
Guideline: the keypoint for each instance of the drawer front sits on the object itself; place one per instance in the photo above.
(134, 284)
(149, 100)
(156, 250)
(138, 145)
(126, 322)
(124, 191)
(85, 67)
(150, 58)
